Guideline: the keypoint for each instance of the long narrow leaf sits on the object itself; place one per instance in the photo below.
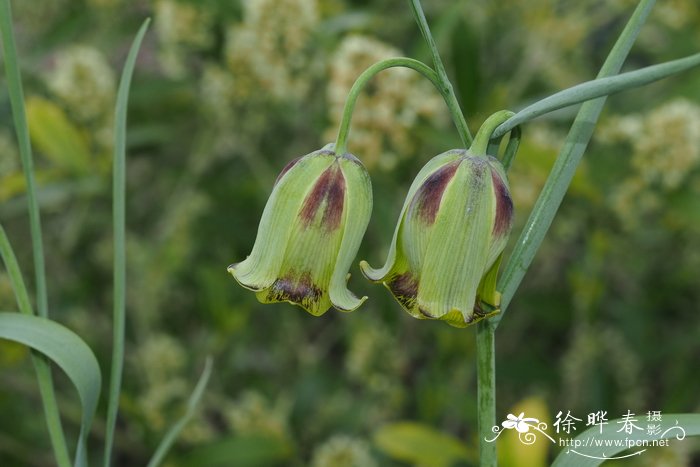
(597, 88)
(565, 166)
(119, 214)
(591, 449)
(69, 352)
(14, 84)
(174, 431)
(19, 114)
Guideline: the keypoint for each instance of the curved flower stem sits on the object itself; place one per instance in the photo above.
(420, 67)
(483, 136)
(445, 86)
(599, 87)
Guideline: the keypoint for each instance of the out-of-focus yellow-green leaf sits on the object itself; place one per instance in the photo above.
(512, 451)
(11, 185)
(12, 353)
(54, 135)
(420, 445)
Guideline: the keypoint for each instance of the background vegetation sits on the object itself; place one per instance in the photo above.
(225, 93)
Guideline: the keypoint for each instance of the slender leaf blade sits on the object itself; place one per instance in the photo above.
(69, 352)
(119, 223)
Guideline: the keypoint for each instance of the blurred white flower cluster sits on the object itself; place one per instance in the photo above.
(665, 146)
(272, 46)
(84, 81)
(252, 413)
(343, 451)
(181, 28)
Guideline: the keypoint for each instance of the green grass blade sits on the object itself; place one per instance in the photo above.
(14, 84)
(15, 274)
(192, 403)
(565, 166)
(672, 426)
(69, 352)
(19, 114)
(597, 88)
(119, 215)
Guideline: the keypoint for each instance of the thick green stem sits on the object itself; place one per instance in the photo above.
(486, 390)
(446, 87)
(358, 86)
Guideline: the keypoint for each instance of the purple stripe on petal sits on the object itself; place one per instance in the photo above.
(330, 187)
(289, 165)
(504, 206)
(430, 193)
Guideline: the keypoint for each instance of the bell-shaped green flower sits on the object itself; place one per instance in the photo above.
(451, 232)
(309, 234)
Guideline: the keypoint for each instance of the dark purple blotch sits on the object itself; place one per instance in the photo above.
(297, 288)
(330, 187)
(405, 288)
(429, 195)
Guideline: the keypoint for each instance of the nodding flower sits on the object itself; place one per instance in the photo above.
(451, 232)
(309, 234)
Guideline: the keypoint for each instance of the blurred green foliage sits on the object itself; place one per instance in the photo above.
(227, 92)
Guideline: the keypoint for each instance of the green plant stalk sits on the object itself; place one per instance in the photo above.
(564, 167)
(485, 338)
(43, 371)
(341, 142)
(486, 390)
(119, 232)
(446, 88)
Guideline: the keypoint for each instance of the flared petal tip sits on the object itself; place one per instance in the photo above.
(349, 305)
(374, 275)
(233, 270)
